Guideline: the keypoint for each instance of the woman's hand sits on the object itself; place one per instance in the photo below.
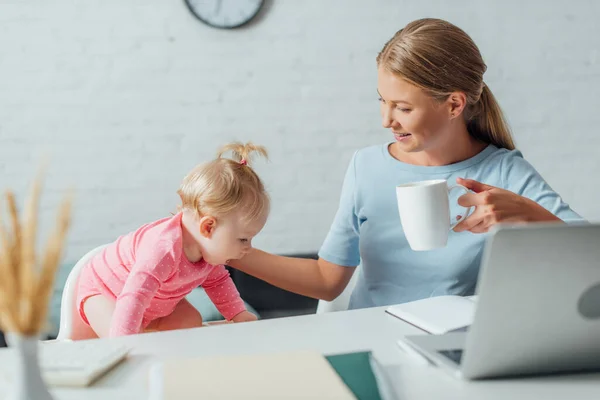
(244, 316)
(494, 205)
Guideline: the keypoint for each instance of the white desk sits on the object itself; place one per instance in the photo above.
(369, 329)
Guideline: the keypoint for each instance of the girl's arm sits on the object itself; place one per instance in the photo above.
(141, 285)
(222, 292)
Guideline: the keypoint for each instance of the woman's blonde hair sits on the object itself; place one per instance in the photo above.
(441, 58)
(224, 185)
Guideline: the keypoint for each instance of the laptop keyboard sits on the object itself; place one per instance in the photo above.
(454, 355)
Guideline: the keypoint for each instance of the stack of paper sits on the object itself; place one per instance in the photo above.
(437, 315)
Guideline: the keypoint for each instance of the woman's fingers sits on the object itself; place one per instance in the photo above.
(468, 223)
(474, 185)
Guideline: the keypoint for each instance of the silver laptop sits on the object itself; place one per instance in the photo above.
(538, 310)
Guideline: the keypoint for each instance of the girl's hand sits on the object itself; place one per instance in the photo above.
(494, 205)
(244, 316)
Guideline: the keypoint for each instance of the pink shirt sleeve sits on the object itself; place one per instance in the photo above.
(222, 292)
(144, 280)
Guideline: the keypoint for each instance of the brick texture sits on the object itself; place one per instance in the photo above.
(126, 96)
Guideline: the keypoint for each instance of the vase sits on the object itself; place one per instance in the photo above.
(27, 382)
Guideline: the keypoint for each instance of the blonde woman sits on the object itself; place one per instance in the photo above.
(140, 281)
(445, 124)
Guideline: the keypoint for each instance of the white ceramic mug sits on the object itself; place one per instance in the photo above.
(425, 213)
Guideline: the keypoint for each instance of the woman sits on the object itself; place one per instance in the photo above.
(446, 124)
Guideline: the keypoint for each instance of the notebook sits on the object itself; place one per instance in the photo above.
(363, 374)
(297, 375)
(437, 315)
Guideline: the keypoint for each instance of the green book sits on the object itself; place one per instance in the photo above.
(356, 372)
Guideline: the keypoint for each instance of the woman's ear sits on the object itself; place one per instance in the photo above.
(207, 226)
(457, 101)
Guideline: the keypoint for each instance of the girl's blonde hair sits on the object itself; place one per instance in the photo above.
(441, 58)
(226, 184)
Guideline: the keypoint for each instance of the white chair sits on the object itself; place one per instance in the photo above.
(68, 308)
(341, 302)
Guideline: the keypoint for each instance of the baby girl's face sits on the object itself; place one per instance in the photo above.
(232, 238)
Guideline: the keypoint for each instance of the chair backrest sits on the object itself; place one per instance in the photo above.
(341, 302)
(68, 307)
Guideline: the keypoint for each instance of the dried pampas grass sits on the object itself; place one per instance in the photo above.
(26, 282)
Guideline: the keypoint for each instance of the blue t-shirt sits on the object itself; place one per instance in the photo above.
(367, 230)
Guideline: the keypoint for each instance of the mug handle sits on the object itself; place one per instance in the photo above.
(468, 212)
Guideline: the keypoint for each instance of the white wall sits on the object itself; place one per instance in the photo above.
(127, 95)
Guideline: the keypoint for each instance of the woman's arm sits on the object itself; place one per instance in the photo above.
(316, 278)
(494, 205)
(524, 197)
(319, 279)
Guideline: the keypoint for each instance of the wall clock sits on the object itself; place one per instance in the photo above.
(225, 14)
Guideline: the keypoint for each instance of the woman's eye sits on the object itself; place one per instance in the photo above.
(381, 100)
(404, 109)
(244, 240)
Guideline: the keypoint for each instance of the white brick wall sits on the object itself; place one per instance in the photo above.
(127, 95)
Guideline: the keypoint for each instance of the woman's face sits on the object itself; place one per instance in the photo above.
(417, 121)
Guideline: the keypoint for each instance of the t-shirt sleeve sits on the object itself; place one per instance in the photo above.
(222, 292)
(152, 267)
(520, 176)
(341, 244)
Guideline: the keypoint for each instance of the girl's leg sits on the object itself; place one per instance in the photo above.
(184, 316)
(81, 330)
(99, 311)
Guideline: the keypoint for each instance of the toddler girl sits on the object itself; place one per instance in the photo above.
(140, 281)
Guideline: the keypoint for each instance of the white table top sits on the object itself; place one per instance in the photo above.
(368, 329)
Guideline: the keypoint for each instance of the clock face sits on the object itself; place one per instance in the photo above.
(225, 14)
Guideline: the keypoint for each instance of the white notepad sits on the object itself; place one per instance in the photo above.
(297, 375)
(437, 315)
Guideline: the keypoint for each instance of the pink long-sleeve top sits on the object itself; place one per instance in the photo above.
(147, 272)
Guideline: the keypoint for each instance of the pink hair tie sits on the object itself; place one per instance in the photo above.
(243, 161)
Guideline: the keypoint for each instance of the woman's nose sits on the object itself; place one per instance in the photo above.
(386, 117)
